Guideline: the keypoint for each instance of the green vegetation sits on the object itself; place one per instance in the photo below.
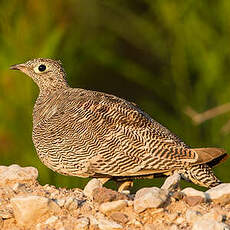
(162, 55)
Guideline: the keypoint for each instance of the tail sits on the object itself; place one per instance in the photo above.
(201, 175)
(211, 156)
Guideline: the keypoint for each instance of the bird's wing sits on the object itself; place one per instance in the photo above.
(115, 136)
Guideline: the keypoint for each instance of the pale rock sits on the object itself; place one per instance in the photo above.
(172, 182)
(99, 221)
(105, 224)
(82, 223)
(180, 220)
(192, 215)
(215, 214)
(193, 192)
(220, 193)
(149, 198)
(6, 213)
(61, 202)
(71, 203)
(51, 220)
(112, 206)
(14, 173)
(92, 184)
(28, 210)
(209, 224)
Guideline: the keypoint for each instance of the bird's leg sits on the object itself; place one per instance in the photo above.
(103, 180)
(125, 185)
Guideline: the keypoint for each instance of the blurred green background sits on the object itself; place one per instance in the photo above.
(162, 55)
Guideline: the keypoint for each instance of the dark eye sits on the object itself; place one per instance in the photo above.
(42, 68)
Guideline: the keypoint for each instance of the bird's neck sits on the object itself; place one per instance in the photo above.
(47, 90)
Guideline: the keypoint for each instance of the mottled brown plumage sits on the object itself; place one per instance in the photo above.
(85, 133)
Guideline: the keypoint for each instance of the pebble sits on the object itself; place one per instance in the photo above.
(192, 215)
(219, 194)
(104, 224)
(112, 206)
(27, 210)
(172, 182)
(51, 220)
(71, 203)
(193, 192)
(149, 198)
(193, 200)
(14, 173)
(180, 220)
(102, 195)
(119, 217)
(209, 224)
(92, 184)
(82, 223)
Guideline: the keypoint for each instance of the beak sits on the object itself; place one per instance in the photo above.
(18, 67)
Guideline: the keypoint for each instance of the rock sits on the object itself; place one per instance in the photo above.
(89, 188)
(219, 194)
(193, 192)
(192, 215)
(6, 213)
(104, 224)
(149, 198)
(119, 217)
(193, 200)
(51, 220)
(82, 223)
(180, 220)
(71, 203)
(99, 221)
(172, 182)
(28, 210)
(112, 206)
(209, 224)
(12, 174)
(102, 195)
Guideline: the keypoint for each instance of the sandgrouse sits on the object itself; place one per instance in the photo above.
(85, 133)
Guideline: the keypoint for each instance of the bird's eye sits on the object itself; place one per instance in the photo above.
(42, 68)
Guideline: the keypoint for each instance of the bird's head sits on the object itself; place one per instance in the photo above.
(46, 73)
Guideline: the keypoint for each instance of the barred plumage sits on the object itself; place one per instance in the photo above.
(85, 133)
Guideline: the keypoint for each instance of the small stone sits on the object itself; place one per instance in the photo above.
(119, 217)
(193, 200)
(172, 182)
(193, 192)
(60, 202)
(6, 213)
(112, 206)
(215, 214)
(192, 215)
(9, 175)
(102, 195)
(82, 223)
(71, 203)
(51, 220)
(149, 198)
(105, 224)
(27, 210)
(219, 194)
(89, 188)
(209, 224)
(180, 220)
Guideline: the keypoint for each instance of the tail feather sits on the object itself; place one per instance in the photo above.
(206, 155)
(201, 175)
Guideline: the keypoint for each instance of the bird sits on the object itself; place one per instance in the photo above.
(85, 133)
